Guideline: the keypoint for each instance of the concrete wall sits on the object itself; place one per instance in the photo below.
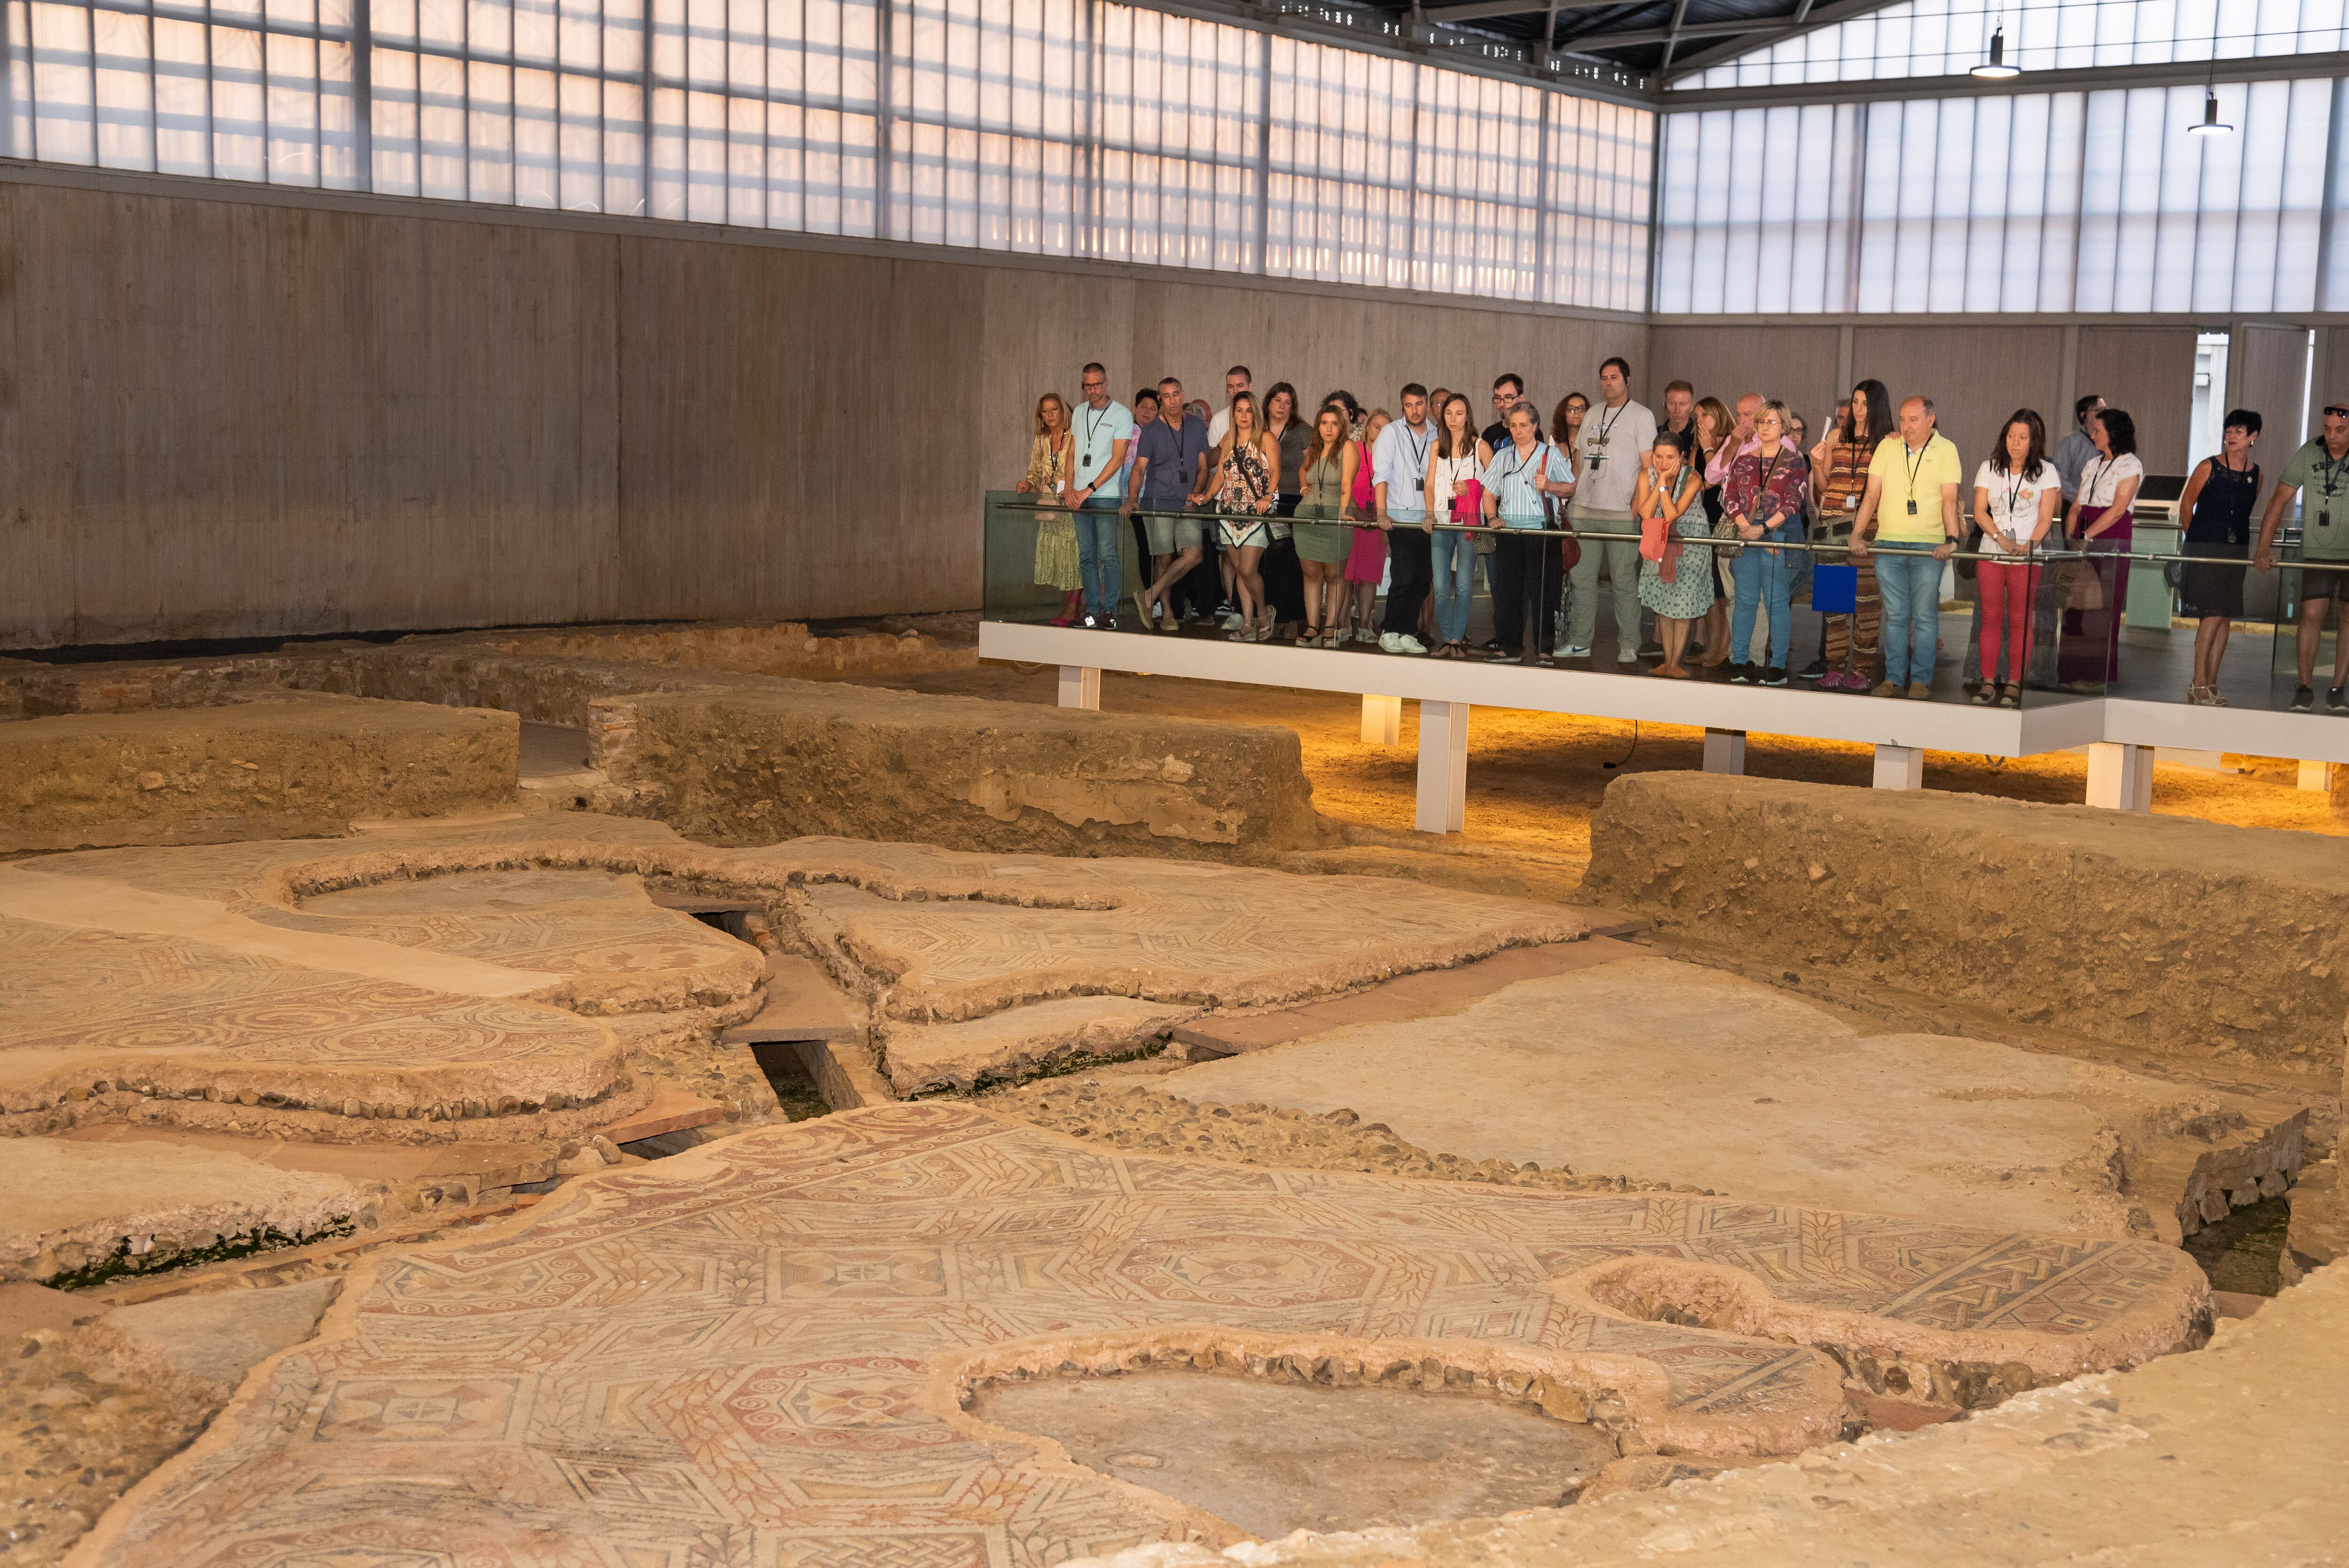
(229, 412)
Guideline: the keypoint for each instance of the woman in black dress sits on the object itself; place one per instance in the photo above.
(2217, 506)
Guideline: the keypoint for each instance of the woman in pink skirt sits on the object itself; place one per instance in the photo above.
(1366, 567)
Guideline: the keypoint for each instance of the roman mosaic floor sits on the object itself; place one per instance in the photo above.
(433, 982)
(758, 1353)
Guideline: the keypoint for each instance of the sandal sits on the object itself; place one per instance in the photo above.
(1333, 639)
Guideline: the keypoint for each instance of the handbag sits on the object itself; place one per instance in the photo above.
(1727, 546)
(2083, 588)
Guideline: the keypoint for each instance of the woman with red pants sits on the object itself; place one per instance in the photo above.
(2100, 523)
(2017, 492)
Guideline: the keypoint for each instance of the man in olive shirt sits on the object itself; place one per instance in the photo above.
(2321, 468)
(1911, 514)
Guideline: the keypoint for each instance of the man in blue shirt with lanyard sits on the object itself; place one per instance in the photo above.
(1103, 427)
(2321, 468)
(1399, 472)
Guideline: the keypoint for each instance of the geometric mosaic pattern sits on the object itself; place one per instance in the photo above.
(746, 1355)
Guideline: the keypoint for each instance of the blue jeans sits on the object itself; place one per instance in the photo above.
(1098, 565)
(1764, 576)
(1910, 581)
(1454, 555)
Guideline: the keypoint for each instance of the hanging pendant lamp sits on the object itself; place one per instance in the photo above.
(1995, 68)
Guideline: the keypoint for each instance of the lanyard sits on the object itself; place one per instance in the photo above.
(2013, 490)
(2330, 468)
(1605, 425)
(2101, 469)
(1092, 428)
(1418, 448)
(1914, 465)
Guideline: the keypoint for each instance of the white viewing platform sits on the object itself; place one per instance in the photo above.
(2121, 733)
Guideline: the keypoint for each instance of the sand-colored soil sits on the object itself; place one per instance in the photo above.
(1535, 778)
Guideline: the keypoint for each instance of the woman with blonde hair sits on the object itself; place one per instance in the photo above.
(1244, 479)
(1765, 499)
(1048, 480)
(1324, 540)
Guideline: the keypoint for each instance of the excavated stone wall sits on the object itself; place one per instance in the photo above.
(286, 766)
(736, 758)
(2164, 934)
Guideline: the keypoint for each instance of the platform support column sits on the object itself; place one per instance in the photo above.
(1080, 687)
(2316, 777)
(1382, 720)
(1443, 768)
(2120, 777)
(1899, 768)
(1725, 751)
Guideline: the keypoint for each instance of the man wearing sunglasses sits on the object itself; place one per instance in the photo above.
(2321, 469)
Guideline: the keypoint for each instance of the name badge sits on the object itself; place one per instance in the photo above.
(1851, 501)
(1912, 509)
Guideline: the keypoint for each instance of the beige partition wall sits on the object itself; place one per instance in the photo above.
(2149, 371)
(1795, 364)
(1975, 375)
(247, 414)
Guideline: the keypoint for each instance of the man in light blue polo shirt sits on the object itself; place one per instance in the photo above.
(1399, 472)
(1105, 427)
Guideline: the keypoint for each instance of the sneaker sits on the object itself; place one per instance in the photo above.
(1389, 641)
(1092, 624)
(1741, 675)
(1816, 670)
(2336, 699)
(2302, 699)
(1885, 688)
(1404, 642)
(1108, 623)
(1573, 653)
(1983, 697)
(1624, 658)
(1651, 649)
(1490, 645)
(1774, 676)
(1919, 692)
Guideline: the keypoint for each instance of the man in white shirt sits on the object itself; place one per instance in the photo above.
(1399, 479)
(1616, 438)
(1237, 380)
(1105, 427)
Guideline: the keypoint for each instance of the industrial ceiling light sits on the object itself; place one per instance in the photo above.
(2210, 124)
(1995, 68)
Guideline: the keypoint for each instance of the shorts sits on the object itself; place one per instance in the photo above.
(1169, 534)
(1251, 533)
(2322, 585)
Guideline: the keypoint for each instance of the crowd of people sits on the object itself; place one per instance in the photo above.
(1703, 521)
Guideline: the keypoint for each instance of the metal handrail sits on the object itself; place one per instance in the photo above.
(1812, 547)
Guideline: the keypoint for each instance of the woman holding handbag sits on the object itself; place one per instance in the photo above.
(1762, 503)
(1457, 495)
(1675, 572)
(1242, 479)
